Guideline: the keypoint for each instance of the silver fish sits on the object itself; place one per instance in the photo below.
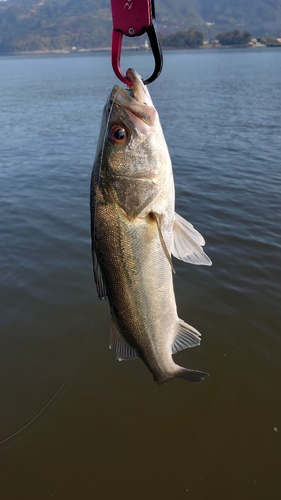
(135, 230)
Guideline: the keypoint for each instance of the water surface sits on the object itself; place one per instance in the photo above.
(111, 432)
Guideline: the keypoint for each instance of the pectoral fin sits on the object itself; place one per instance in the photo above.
(187, 243)
(164, 246)
(121, 350)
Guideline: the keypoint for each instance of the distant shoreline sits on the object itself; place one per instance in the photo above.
(136, 48)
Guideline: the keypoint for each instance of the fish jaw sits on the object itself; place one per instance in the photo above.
(136, 100)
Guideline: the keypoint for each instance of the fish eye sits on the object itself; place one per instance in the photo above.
(118, 135)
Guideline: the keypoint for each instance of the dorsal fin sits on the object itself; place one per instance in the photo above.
(121, 350)
(187, 243)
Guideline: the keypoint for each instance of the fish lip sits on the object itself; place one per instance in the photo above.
(138, 87)
(137, 92)
(135, 101)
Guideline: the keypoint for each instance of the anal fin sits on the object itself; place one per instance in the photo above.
(186, 337)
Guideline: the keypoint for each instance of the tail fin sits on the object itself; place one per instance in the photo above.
(191, 375)
(180, 372)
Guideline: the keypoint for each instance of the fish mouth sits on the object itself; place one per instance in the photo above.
(139, 89)
(136, 101)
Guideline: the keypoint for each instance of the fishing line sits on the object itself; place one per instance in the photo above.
(54, 396)
(104, 139)
(96, 177)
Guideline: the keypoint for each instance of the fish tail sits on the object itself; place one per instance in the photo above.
(180, 372)
(191, 375)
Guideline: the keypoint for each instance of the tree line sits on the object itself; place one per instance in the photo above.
(89, 33)
(194, 38)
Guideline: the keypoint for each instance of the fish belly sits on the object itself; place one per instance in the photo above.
(138, 280)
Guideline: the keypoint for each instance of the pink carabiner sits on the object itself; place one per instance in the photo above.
(134, 18)
(131, 17)
(115, 56)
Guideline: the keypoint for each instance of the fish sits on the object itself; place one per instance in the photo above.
(135, 232)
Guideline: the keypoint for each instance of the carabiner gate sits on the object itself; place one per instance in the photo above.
(134, 18)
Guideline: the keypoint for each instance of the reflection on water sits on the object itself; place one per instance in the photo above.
(112, 432)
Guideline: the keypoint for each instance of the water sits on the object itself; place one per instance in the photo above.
(111, 432)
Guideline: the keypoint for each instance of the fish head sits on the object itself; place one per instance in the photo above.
(132, 155)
